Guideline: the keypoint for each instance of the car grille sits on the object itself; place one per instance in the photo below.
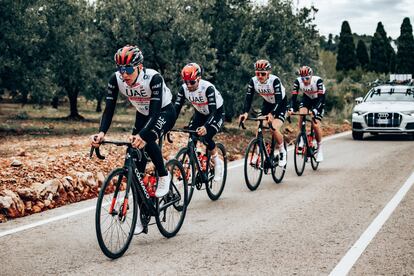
(383, 119)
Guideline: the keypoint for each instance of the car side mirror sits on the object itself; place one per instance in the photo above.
(359, 100)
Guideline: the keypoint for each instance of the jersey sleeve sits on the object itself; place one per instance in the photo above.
(249, 97)
(277, 87)
(156, 86)
(295, 92)
(179, 101)
(212, 105)
(110, 100)
(321, 95)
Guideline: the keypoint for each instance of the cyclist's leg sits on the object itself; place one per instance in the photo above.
(164, 123)
(214, 125)
(317, 126)
(140, 121)
(279, 119)
(304, 107)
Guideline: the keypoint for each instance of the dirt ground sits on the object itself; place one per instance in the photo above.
(30, 160)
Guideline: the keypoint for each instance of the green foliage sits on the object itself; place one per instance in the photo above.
(362, 54)
(346, 59)
(382, 53)
(405, 54)
(327, 67)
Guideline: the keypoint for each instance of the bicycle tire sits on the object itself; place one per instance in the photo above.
(275, 166)
(253, 146)
(174, 200)
(189, 167)
(300, 152)
(103, 196)
(211, 183)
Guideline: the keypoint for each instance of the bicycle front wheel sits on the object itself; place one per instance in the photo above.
(253, 165)
(173, 206)
(189, 169)
(278, 172)
(215, 185)
(116, 214)
(300, 155)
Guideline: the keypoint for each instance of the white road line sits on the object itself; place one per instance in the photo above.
(87, 209)
(353, 254)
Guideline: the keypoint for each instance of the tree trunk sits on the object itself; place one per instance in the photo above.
(99, 103)
(73, 100)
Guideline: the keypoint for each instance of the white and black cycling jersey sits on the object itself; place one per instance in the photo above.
(313, 90)
(140, 93)
(272, 92)
(149, 95)
(269, 89)
(205, 99)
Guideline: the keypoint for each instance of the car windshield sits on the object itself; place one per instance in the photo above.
(388, 95)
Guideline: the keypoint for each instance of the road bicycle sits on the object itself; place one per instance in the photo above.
(127, 193)
(261, 157)
(306, 146)
(199, 167)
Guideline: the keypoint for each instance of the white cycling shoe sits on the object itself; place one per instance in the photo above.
(138, 226)
(163, 185)
(218, 169)
(319, 155)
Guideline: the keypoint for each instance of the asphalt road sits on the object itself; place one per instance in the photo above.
(303, 226)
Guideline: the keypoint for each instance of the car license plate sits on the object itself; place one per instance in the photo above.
(382, 121)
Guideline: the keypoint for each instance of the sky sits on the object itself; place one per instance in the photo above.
(362, 15)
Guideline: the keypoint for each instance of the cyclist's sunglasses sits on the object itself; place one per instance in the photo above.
(261, 74)
(126, 69)
(192, 82)
(306, 78)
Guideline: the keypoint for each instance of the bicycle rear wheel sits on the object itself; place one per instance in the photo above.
(253, 165)
(278, 172)
(215, 188)
(189, 169)
(300, 155)
(116, 215)
(173, 206)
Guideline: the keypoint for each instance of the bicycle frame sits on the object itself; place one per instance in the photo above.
(134, 178)
(260, 139)
(192, 150)
(307, 136)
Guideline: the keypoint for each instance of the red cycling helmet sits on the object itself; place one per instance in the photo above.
(191, 72)
(305, 71)
(262, 65)
(128, 56)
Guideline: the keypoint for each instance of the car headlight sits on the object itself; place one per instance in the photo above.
(359, 112)
(411, 113)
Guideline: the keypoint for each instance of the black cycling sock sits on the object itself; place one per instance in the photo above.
(154, 152)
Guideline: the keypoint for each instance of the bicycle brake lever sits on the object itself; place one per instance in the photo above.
(241, 124)
(288, 119)
(168, 137)
(98, 154)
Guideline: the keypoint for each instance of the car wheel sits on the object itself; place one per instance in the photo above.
(357, 135)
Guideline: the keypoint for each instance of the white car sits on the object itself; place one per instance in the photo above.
(387, 108)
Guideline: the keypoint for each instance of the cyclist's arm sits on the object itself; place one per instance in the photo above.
(212, 106)
(249, 97)
(179, 101)
(295, 92)
(277, 87)
(156, 86)
(111, 97)
(321, 95)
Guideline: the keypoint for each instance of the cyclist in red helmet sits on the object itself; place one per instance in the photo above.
(209, 111)
(147, 92)
(274, 105)
(313, 99)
